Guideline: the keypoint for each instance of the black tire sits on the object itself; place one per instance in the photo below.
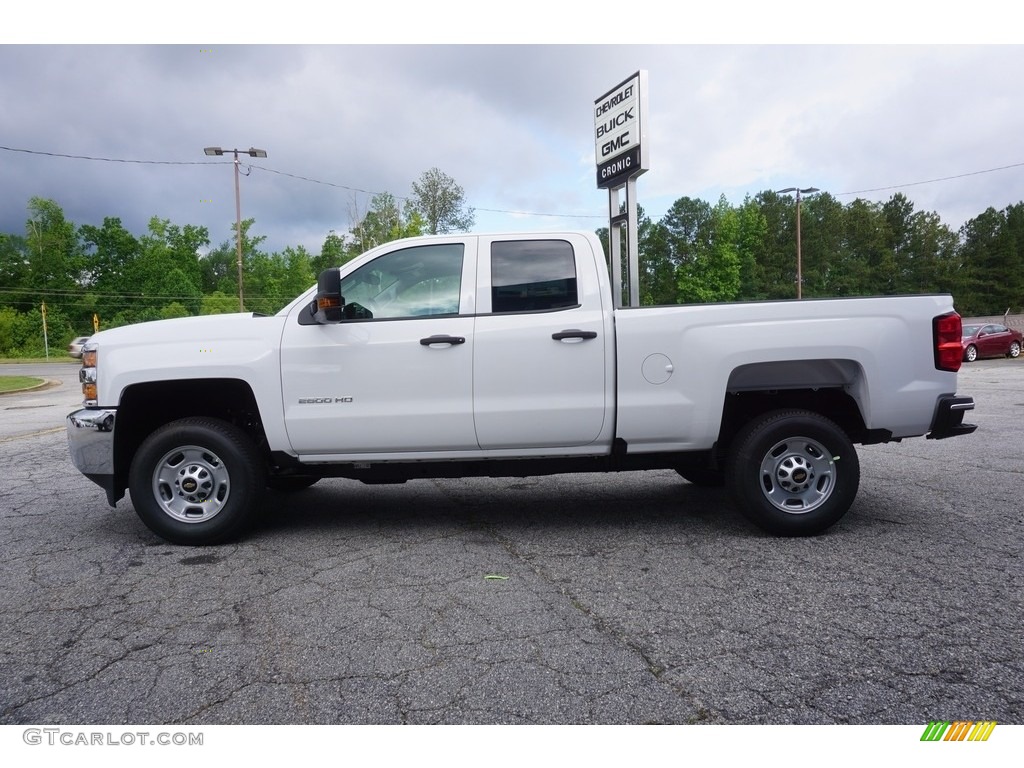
(1014, 350)
(290, 483)
(793, 472)
(705, 478)
(971, 353)
(197, 481)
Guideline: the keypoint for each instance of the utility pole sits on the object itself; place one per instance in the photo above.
(252, 152)
(799, 258)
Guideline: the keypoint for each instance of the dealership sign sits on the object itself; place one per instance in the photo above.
(620, 139)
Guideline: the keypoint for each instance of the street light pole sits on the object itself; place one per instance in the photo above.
(799, 257)
(252, 152)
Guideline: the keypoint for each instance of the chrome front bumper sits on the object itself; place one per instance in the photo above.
(91, 443)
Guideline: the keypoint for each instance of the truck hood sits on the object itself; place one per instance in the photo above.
(240, 346)
(204, 329)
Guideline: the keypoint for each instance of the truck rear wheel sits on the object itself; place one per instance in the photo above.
(793, 472)
(197, 481)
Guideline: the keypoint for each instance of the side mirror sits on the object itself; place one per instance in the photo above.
(329, 301)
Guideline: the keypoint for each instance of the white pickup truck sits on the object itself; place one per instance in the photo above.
(503, 356)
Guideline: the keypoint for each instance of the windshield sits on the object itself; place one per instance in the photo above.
(971, 330)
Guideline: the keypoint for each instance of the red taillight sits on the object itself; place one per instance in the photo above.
(949, 352)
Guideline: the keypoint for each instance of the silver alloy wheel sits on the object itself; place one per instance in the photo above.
(797, 475)
(191, 484)
(972, 353)
(1015, 349)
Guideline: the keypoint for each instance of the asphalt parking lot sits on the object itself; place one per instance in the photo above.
(633, 598)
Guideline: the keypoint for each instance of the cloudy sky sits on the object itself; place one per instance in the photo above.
(511, 123)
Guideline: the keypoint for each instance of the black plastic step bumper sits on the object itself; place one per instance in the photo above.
(949, 418)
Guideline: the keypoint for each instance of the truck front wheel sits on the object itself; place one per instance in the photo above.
(793, 472)
(197, 481)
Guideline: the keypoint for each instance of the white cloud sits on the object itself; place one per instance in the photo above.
(512, 125)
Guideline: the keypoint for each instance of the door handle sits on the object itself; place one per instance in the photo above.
(441, 339)
(574, 333)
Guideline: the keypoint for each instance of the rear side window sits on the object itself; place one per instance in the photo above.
(532, 276)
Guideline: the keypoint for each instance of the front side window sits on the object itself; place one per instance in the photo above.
(414, 282)
(532, 276)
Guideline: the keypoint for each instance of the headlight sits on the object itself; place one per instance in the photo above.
(88, 376)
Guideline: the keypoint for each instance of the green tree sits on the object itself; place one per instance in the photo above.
(218, 303)
(15, 269)
(273, 281)
(167, 269)
(822, 222)
(333, 253)
(53, 248)
(441, 203)
(1013, 283)
(926, 254)
(658, 282)
(898, 213)
(752, 240)
(174, 309)
(299, 273)
(21, 333)
(991, 246)
(713, 274)
(776, 256)
(218, 269)
(55, 261)
(688, 231)
(384, 222)
(863, 239)
(111, 253)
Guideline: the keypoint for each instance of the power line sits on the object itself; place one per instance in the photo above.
(535, 213)
(318, 181)
(487, 210)
(932, 181)
(279, 173)
(405, 197)
(115, 159)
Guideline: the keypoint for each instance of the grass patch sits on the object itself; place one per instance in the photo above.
(13, 383)
(34, 360)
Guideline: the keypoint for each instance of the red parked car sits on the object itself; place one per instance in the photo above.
(990, 340)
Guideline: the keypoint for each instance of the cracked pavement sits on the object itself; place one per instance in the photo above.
(632, 598)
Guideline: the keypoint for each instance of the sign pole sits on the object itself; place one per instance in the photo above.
(615, 221)
(634, 243)
(620, 136)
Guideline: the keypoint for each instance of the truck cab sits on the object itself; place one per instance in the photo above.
(455, 348)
